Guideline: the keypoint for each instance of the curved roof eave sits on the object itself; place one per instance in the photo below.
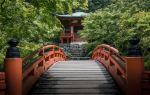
(74, 15)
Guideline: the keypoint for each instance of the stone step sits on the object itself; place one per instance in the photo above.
(79, 58)
(75, 50)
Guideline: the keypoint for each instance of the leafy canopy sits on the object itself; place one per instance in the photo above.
(118, 22)
(32, 21)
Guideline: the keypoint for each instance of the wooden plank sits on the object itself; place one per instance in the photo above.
(75, 63)
(58, 79)
(70, 94)
(72, 68)
(74, 73)
(85, 64)
(78, 61)
(76, 86)
(75, 91)
(76, 67)
(77, 76)
(75, 82)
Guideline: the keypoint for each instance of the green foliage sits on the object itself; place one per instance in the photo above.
(89, 47)
(28, 47)
(32, 22)
(119, 22)
(97, 4)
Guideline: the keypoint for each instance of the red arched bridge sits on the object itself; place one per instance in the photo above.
(49, 72)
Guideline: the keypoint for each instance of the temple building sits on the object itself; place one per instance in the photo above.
(72, 25)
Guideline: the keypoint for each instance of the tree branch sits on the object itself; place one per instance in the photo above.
(2, 4)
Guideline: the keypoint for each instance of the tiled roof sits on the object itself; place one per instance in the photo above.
(76, 14)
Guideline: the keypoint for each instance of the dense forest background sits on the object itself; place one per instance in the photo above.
(115, 22)
(32, 22)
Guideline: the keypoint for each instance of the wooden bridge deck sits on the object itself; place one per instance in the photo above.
(75, 78)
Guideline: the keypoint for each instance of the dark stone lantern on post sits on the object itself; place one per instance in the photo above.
(13, 51)
(134, 48)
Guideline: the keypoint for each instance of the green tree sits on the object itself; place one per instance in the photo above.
(97, 4)
(32, 21)
(117, 23)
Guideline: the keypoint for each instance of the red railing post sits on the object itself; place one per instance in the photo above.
(13, 69)
(134, 69)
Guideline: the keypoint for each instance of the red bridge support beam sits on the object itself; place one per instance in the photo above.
(13, 69)
(134, 71)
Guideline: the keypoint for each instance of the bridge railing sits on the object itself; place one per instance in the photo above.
(20, 74)
(108, 56)
(2, 83)
(128, 72)
(146, 83)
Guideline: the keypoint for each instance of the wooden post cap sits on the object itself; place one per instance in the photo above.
(134, 49)
(13, 51)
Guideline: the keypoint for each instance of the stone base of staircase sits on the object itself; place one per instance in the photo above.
(75, 50)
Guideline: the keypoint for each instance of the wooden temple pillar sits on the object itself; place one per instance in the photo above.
(72, 33)
(62, 40)
(67, 39)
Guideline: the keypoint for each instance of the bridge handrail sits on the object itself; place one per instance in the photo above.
(111, 54)
(146, 82)
(111, 49)
(2, 83)
(26, 60)
(26, 78)
(41, 65)
(127, 76)
(40, 53)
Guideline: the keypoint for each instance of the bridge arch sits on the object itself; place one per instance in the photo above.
(128, 72)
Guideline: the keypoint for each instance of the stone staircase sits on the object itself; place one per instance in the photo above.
(75, 51)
